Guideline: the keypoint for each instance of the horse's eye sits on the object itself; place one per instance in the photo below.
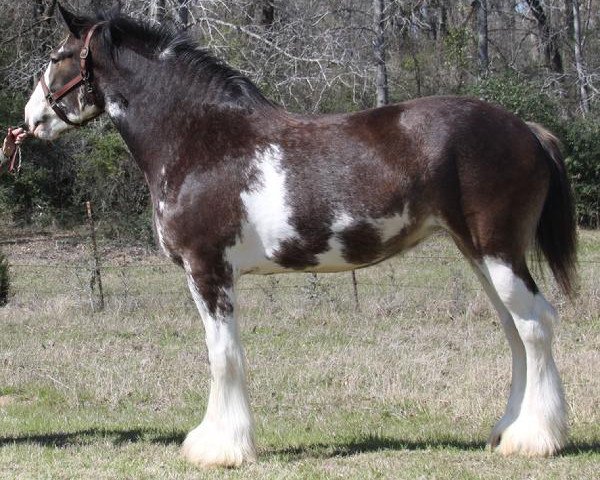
(54, 59)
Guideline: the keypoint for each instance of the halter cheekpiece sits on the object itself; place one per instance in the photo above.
(84, 77)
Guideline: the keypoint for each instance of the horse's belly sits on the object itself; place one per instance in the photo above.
(346, 245)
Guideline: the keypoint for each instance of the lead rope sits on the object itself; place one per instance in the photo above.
(13, 160)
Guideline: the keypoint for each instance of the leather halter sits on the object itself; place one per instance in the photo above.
(84, 77)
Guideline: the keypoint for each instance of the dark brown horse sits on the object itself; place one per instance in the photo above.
(239, 185)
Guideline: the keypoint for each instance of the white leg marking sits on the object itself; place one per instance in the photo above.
(226, 435)
(519, 366)
(540, 427)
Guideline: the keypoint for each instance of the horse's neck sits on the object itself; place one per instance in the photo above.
(167, 119)
(164, 132)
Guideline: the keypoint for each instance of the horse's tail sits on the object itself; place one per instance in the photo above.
(556, 234)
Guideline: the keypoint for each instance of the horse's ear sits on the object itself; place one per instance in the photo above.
(75, 24)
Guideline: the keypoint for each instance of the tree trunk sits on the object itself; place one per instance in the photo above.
(443, 27)
(579, 60)
(548, 39)
(183, 12)
(482, 36)
(381, 80)
(158, 10)
(267, 13)
(44, 10)
(569, 21)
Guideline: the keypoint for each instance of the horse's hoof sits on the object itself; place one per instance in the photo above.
(208, 447)
(529, 439)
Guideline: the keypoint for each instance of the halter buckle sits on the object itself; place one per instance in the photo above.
(84, 53)
(50, 99)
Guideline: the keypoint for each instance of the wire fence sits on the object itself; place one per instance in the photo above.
(424, 275)
(149, 278)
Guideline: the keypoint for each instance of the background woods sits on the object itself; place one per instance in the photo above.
(538, 58)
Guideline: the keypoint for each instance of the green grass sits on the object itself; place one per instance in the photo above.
(408, 386)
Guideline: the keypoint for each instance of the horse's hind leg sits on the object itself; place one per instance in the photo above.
(225, 437)
(519, 367)
(535, 422)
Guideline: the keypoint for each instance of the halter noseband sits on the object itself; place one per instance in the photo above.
(84, 77)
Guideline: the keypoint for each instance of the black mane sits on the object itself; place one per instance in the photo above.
(163, 43)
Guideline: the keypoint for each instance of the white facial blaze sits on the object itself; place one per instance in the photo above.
(43, 122)
(40, 118)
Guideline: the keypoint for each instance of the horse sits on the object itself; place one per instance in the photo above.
(241, 186)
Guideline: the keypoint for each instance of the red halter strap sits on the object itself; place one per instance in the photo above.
(83, 77)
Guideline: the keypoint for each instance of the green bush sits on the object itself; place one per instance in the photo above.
(582, 145)
(106, 175)
(525, 98)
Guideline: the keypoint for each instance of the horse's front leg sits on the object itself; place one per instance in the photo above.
(226, 435)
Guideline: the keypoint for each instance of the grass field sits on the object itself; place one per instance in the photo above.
(407, 386)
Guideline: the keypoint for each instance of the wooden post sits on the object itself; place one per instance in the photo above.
(355, 289)
(96, 277)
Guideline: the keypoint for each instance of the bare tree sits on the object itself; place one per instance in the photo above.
(158, 10)
(548, 38)
(482, 36)
(183, 12)
(267, 16)
(381, 78)
(579, 59)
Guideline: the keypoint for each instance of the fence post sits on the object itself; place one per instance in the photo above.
(96, 277)
(355, 289)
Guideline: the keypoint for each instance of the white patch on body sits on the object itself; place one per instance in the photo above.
(160, 232)
(166, 54)
(333, 259)
(226, 435)
(268, 216)
(538, 426)
(114, 110)
(389, 227)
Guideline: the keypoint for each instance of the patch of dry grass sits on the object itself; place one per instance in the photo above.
(407, 387)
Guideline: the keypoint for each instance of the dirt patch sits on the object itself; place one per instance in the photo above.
(6, 400)
(71, 247)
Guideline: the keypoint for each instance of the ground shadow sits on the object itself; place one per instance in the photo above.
(86, 437)
(364, 444)
(368, 443)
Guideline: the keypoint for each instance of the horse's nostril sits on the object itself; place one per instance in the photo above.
(39, 121)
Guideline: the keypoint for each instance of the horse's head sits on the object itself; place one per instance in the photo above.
(67, 94)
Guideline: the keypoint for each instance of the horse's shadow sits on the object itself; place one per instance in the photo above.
(364, 444)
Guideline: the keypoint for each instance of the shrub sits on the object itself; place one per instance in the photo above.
(106, 175)
(582, 145)
(524, 98)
